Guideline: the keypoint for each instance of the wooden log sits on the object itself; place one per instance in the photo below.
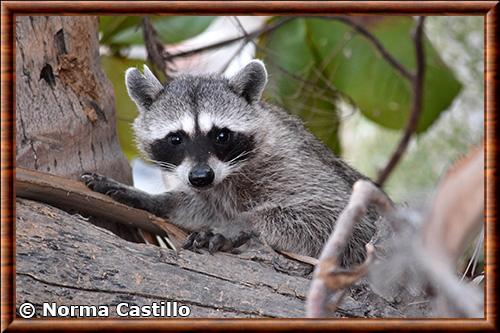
(75, 196)
(64, 259)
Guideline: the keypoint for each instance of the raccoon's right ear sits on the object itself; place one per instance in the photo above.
(142, 88)
(250, 81)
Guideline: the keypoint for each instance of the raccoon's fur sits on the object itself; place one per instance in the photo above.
(233, 163)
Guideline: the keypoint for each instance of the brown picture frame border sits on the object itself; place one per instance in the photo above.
(9, 9)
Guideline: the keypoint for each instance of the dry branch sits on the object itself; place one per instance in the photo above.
(264, 30)
(154, 47)
(427, 251)
(329, 278)
(74, 195)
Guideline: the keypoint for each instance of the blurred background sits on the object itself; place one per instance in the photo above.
(329, 73)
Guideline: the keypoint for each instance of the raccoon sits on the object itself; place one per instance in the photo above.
(236, 166)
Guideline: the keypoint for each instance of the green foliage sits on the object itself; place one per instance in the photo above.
(126, 110)
(314, 64)
(298, 84)
(345, 60)
(123, 31)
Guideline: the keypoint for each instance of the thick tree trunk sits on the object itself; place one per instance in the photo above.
(65, 117)
(64, 102)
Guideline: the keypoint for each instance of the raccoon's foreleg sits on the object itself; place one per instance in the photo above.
(159, 204)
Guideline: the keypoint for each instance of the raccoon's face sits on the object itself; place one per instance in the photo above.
(198, 129)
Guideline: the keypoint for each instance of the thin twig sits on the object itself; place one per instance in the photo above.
(252, 35)
(154, 47)
(473, 259)
(374, 40)
(329, 279)
(417, 88)
(296, 77)
(453, 298)
(240, 48)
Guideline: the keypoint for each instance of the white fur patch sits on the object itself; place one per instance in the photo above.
(187, 124)
(159, 130)
(205, 122)
(182, 171)
(221, 169)
(172, 182)
(178, 180)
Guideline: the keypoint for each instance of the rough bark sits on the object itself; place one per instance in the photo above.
(62, 258)
(65, 117)
(64, 102)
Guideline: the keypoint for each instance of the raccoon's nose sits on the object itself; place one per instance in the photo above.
(201, 175)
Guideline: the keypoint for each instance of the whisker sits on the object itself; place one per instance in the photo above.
(243, 154)
(164, 165)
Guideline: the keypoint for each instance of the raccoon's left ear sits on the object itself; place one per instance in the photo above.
(142, 88)
(250, 81)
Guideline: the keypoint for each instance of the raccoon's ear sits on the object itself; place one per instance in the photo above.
(142, 88)
(250, 81)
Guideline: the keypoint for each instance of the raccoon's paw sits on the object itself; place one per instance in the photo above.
(106, 186)
(206, 239)
(99, 183)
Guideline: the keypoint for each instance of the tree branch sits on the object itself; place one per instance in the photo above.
(242, 46)
(74, 195)
(329, 278)
(417, 87)
(252, 35)
(154, 47)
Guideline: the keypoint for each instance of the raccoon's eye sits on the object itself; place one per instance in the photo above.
(175, 138)
(223, 136)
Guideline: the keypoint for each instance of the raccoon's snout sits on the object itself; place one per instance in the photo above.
(201, 175)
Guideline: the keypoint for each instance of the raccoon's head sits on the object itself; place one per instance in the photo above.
(199, 129)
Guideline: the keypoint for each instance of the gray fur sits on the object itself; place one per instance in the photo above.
(290, 191)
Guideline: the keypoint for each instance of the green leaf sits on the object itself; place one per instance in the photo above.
(340, 57)
(126, 31)
(109, 26)
(126, 110)
(298, 85)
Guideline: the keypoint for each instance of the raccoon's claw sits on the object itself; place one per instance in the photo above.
(106, 186)
(188, 243)
(89, 179)
(202, 239)
(242, 238)
(96, 182)
(197, 240)
(214, 242)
